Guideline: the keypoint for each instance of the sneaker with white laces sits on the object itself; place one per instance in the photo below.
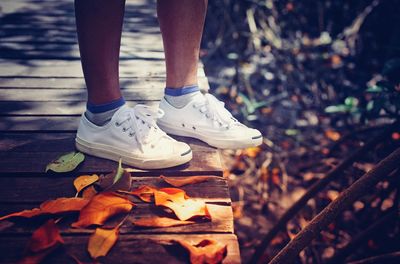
(132, 135)
(204, 117)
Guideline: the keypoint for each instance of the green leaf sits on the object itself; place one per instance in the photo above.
(337, 109)
(66, 163)
(291, 132)
(351, 102)
(119, 172)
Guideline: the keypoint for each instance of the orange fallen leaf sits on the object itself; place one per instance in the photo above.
(101, 241)
(208, 251)
(251, 152)
(145, 193)
(160, 222)
(89, 192)
(101, 207)
(183, 206)
(181, 181)
(60, 205)
(332, 135)
(83, 181)
(44, 240)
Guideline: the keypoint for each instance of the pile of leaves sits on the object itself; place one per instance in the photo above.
(99, 198)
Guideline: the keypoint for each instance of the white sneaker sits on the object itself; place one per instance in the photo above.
(206, 118)
(132, 135)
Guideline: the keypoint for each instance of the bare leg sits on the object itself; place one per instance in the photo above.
(181, 24)
(99, 27)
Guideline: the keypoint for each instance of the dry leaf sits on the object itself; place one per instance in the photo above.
(106, 182)
(101, 207)
(332, 135)
(101, 241)
(181, 181)
(89, 192)
(208, 251)
(83, 181)
(183, 206)
(160, 222)
(44, 240)
(251, 152)
(60, 205)
(145, 193)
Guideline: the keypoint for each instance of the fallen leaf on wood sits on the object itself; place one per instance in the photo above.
(44, 240)
(181, 181)
(145, 193)
(183, 206)
(208, 251)
(60, 205)
(101, 241)
(119, 172)
(65, 163)
(83, 181)
(106, 182)
(89, 192)
(160, 222)
(101, 207)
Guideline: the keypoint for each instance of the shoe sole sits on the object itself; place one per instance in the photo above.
(107, 152)
(222, 144)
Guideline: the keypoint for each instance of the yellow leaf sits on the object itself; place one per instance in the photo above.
(60, 205)
(181, 181)
(183, 206)
(101, 207)
(208, 251)
(160, 222)
(83, 181)
(88, 193)
(101, 241)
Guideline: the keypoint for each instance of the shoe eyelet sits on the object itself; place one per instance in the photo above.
(117, 124)
(143, 122)
(131, 134)
(194, 128)
(183, 125)
(124, 129)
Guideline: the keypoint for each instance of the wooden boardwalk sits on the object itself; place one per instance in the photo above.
(42, 97)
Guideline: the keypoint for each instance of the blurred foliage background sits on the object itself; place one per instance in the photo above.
(318, 78)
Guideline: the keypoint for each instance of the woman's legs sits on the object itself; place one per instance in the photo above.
(181, 24)
(99, 27)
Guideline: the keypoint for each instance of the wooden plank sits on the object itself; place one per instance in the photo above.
(30, 153)
(73, 95)
(63, 68)
(46, 187)
(36, 108)
(79, 82)
(140, 249)
(221, 221)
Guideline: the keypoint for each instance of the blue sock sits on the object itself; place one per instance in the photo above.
(179, 97)
(101, 114)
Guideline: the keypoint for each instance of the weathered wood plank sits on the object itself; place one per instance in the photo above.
(141, 249)
(36, 108)
(30, 153)
(79, 83)
(64, 68)
(46, 187)
(221, 221)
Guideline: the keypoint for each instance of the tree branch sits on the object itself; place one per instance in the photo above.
(345, 199)
(316, 187)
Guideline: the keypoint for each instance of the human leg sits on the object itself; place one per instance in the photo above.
(187, 111)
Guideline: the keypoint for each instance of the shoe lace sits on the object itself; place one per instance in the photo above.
(215, 110)
(140, 122)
